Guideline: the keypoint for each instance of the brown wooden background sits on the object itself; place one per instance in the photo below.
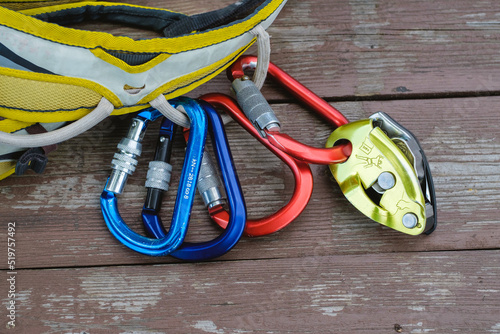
(432, 65)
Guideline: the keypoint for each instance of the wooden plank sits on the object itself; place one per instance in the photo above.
(332, 270)
(59, 222)
(375, 47)
(437, 292)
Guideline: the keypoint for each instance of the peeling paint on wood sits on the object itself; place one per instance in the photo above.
(334, 294)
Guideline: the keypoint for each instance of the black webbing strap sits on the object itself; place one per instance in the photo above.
(209, 20)
(168, 23)
(146, 18)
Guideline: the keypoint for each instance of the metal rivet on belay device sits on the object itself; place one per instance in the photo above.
(410, 220)
(384, 182)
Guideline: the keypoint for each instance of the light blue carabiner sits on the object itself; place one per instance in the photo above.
(185, 194)
(202, 251)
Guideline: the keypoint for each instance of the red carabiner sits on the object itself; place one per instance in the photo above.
(301, 172)
(285, 143)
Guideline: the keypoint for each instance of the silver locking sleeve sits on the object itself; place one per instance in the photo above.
(159, 174)
(125, 161)
(254, 105)
(209, 184)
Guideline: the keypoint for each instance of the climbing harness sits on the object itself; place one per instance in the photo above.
(51, 74)
(136, 71)
(209, 188)
(301, 172)
(69, 74)
(124, 164)
(379, 165)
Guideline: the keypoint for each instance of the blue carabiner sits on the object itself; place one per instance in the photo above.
(185, 193)
(223, 243)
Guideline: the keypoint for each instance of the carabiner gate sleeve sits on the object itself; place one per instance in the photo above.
(262, 115)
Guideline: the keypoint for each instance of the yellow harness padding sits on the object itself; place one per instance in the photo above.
(7, 168)
(51, 73)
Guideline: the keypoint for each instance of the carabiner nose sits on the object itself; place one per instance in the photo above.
(262, 116)
(184, 200)
(301, 172)
(237, 217)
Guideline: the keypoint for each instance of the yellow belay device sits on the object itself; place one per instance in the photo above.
(50, 73)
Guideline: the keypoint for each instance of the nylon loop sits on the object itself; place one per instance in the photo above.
(263, 55)
(103, 110)
(178, 117)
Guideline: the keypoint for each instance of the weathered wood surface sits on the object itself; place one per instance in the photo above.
(59, 222)
(376, 48)
(436, 292)
(431, 65)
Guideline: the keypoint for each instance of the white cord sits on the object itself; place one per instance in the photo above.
(263, 55)
(6, 149)
(103, 110)
(178, 116)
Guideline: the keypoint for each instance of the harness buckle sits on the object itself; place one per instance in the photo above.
(34, 159)
(387, 176)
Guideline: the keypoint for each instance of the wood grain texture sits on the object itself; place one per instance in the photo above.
(441, 292)
(60, 223)
(373, 48)
(431, 65)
